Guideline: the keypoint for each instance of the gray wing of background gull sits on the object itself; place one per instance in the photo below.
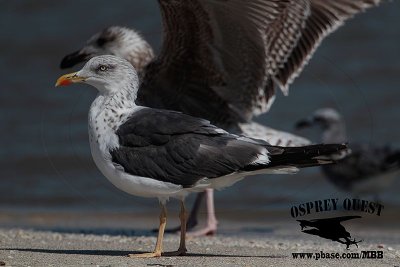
(199, 59)
(365, 169)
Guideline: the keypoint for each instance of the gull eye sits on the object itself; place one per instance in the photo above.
(103, 68)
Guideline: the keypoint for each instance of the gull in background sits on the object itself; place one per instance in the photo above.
(368, 169)
(162, 153)
(223, 60)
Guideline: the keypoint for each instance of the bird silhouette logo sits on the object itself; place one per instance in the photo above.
(330, 228)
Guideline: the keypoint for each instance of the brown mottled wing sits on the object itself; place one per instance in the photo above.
(325, 17)
(212, 62)
(222, 59)
(283, 34)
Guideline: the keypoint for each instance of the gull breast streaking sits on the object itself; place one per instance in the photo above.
(223, 60)
(160, 153)
(369, 169)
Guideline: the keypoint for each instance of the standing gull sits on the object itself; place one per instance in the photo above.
(222, 60)
(160, 153)
(368, 169)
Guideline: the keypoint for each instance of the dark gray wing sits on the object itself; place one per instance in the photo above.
(172, 147)
(364, 162)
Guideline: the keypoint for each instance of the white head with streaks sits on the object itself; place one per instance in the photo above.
(109, 74)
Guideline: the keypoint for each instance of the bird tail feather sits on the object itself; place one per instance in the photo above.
(308, 156)
(304, 156)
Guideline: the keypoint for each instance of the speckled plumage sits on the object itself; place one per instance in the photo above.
(272, 136)
(241, 52)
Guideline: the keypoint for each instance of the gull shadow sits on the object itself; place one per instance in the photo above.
(135, 232)
(90, 252)
(257, 230)
(100, 231)
(124, 253)
(93, 231)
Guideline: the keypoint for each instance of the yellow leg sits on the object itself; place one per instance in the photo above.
(182, 244)
(158, 250)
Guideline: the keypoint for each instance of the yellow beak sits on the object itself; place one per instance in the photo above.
(67, 79)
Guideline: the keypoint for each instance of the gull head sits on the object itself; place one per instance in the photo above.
(324, 118)
(118, 41)
(109, 74)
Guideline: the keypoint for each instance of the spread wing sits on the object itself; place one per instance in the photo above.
(172, 147)
(324, 17)
(231, 54)
(214, 53)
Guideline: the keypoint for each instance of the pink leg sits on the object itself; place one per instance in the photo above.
(211, 227)
(192, 221)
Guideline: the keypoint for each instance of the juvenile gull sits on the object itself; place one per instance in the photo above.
(160, 153)
(368, 169)
(222, 60)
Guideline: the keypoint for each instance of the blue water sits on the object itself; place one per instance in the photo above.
(45, 157)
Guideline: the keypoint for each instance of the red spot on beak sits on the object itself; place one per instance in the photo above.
(67, 79)
(64, 82)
